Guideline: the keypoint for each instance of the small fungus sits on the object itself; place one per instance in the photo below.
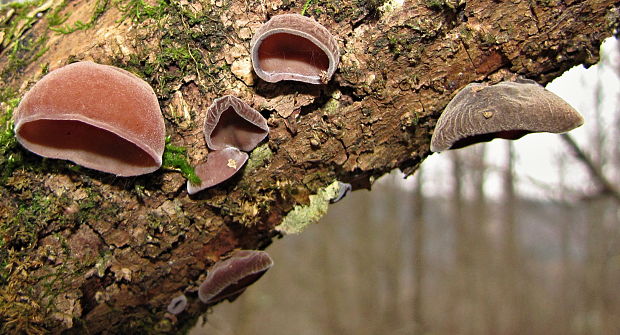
(231, 122)
(509, 110)
(230, 277)
(177, 305)
(97, 116)
(343, 190)
(220, 165)
(294, 47)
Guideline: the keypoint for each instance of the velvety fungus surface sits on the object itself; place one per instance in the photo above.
(97, 116)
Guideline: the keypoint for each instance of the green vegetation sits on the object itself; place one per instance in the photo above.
(138, 10)
(100, 8)
(18, 17)
(188, 32)
(54, 18)
(9, 158)
(340, 10)
(306, 6)
(175, 158)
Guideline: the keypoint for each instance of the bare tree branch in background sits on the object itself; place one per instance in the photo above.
(595, 171)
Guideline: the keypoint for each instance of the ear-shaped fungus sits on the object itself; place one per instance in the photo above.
(97, 116)
(231, 122)
(230, 277)
(509, 110)
(294, 47)
(220, 165)
(177, 305)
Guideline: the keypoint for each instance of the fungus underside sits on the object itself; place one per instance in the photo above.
(506, 134)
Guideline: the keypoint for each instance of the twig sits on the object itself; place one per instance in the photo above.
(595, 171)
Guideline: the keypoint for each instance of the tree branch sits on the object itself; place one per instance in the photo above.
(595, 172)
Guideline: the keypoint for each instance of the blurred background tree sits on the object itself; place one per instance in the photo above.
(496, 238)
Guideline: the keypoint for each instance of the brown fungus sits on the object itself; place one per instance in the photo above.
(294, 47)
(231, 122)
(230, 277)
(97, 116)
(220, 165)
(509, 110)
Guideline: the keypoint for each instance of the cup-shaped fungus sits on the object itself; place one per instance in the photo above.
(230, 277)
(508, 110)
(231, 122)
(220, 165)
(97, 116)
(294, 47)
(177, 305)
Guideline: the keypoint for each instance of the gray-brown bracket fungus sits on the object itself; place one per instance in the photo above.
(177, 305)
(230, 122)
(220, 165)
(230, 277)
(509, 110)
(294, 47)
(97, 116)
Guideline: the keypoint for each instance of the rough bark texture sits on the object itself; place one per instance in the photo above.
(83, 251)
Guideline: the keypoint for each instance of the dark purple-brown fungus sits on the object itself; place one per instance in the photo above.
(228, 278)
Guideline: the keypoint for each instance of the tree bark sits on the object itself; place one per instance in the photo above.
(84, 251)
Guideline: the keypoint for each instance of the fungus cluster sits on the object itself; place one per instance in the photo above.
(97, 116)
(230, 277)
(508, 110)
(231, 127)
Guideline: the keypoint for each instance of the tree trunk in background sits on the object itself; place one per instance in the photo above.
(515, 314)
(418, 237)
(596, 238)
(566, 290)
(485, 266)
(390, 228)
(86, 252)
(463, 281)
(329, 286)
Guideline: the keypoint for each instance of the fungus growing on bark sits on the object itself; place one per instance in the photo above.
(231, 122)
(230, 277)
(509, 110)
(220, 165)
(97, 116)
(294, 47)
(343, 190)
(177, 305)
